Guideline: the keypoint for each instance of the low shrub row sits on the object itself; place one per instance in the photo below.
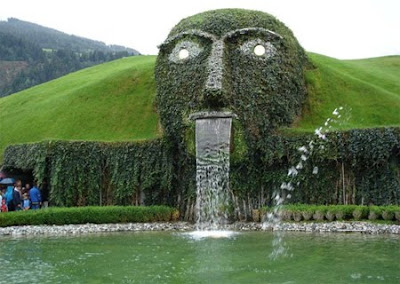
(303, 212)
(89, 214)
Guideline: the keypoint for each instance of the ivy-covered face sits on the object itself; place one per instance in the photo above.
(245, 62)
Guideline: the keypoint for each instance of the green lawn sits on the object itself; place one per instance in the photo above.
(368, 89)
(115, 101)
(108, 102)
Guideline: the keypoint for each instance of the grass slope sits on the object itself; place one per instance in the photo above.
(108, 102)
(368, 89)
(115, 101)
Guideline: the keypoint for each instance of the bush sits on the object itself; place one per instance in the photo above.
(175, 215)
(387, 215)
(264, 211)
(331, 213)
(307, 214)
(286, 215)
(330, 216)
(340, 212)
(90, 214)
(339, 215)
(319, 213)
(255, 214)
(397, 214)
(360, 212)
(388, 212)
(375, 212)
(298, 212)
(297, 216)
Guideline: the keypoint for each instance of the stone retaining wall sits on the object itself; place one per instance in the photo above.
(360, 227)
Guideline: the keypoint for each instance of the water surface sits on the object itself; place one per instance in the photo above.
(165, 257)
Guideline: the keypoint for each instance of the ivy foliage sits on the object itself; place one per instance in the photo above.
(93, 173)
(360, 166)
(223, 73)
(354, 167)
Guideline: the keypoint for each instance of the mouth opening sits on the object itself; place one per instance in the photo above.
(212, 114)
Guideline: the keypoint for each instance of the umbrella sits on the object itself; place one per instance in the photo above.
(7, 181)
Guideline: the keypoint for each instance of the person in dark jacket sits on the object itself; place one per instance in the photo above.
(17, 196)
(35, 196)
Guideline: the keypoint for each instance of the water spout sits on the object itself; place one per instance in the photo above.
(213, 135)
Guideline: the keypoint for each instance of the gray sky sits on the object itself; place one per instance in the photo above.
(345, 29)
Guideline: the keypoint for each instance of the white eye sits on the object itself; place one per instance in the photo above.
(259, 50)
(183, 53)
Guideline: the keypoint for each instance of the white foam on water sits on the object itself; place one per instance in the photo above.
(212, 234)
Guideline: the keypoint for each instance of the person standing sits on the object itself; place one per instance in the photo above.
(27, 188)
(17, 196)
(26, 203)
(36, 198)
(2, 192)
(9, 198)
(3, 200)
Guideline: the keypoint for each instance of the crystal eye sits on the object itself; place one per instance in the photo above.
(183, 53)
(258, 47)
(259, 50)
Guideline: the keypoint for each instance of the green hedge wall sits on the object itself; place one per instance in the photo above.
(355, 167)
(89, 214)
(93, 173)
(360, 166)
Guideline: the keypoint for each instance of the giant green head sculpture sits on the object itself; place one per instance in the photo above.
(245, 62)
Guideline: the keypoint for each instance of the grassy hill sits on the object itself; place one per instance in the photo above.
(115, 101)
(369, 89)
(108, 102)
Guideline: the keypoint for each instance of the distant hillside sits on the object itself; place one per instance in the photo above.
(47, 38)
(31, 54)
(115, 101)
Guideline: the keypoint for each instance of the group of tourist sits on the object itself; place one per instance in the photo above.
(16, 197)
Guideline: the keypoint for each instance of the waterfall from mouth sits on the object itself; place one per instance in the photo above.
(213, 135)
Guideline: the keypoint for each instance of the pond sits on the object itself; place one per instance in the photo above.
(171, 257)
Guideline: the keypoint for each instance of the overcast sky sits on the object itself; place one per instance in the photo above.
(345, 29)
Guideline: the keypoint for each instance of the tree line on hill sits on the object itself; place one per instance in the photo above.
(31, 54)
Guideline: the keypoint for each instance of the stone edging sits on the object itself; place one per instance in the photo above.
(360, 227)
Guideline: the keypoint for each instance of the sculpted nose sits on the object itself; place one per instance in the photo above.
(214, 92)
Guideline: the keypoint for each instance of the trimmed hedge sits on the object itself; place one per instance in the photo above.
(304, 212)
(89, 214)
